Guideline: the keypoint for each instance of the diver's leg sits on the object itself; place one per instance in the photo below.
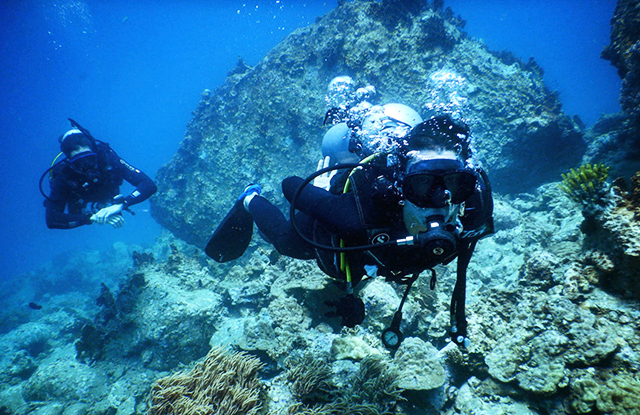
(278, 230)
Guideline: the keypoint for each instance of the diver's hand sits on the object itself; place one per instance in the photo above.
(117, 221)
(104, 214)
(324, 180)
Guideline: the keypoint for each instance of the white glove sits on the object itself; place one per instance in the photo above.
(104, 214)
(324, 180)
(117, 221)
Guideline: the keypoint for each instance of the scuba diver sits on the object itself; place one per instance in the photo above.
(85, 185)
(405, 197)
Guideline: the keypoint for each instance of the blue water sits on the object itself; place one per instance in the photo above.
(565, 37)
(132, 74)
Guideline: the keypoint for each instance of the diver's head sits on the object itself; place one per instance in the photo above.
(80, 154)
(73, 141)
(436, 183)
(436, 153)
(440, 133)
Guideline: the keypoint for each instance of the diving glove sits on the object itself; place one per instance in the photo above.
(349, 308)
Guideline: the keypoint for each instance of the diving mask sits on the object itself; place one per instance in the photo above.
(437, 183)
(84, 163)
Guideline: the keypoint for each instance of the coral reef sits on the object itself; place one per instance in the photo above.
(614, 241)
(611, 144)
(552, 311)
(418, 366)
(225, 383)
(617, 394)
(550, 332)
(615, 139)
(633, 195)
(114, 317)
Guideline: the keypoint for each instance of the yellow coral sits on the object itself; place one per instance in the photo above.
(587, 184)
(225, 383)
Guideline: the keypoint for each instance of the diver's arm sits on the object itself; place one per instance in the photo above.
(145, 187)
(338, 211)
(55, 216)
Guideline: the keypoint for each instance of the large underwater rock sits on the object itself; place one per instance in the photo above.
(265, 122)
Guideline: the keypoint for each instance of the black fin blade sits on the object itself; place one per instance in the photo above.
(232, 237)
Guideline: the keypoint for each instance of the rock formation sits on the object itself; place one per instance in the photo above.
(615, 139)
(624, 54)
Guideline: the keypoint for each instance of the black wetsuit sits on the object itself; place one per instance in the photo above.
(75, 196)
(371, 211)
(362, 216)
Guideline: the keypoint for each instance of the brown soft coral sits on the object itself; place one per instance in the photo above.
(629, 195)
(224, 383)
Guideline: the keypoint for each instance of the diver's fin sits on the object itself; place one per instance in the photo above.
(232, 237)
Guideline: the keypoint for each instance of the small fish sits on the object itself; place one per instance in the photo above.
(35, 306)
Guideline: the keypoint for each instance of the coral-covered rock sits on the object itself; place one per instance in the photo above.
(540, 362)
(616, 140)
(66, 379)
(615, 241)
(418, 365)
(613, 143)
(352, 347)
(171, 319)
(487, 397)
(540, 270)
(617, 394)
